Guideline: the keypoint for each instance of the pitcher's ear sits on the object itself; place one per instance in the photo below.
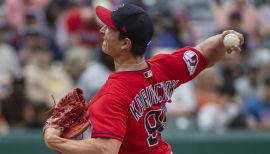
(126, 44)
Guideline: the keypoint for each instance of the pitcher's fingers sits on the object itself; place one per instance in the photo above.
(241, 37)
(236, 48)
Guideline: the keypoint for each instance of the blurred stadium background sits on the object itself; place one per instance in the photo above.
(49, 46)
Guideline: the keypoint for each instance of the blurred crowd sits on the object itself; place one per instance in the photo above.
(47, 47)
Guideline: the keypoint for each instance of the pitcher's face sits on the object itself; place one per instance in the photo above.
(111, 43)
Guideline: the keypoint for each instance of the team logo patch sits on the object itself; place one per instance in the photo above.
(191, 59)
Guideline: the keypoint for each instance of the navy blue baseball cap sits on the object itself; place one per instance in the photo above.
(130, 20)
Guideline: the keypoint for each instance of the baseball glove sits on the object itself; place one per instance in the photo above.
(70, 115)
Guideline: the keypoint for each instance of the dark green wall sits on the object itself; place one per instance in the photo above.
(20, 141)
(236, 142)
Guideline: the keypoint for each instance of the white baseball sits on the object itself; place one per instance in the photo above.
(231, 40)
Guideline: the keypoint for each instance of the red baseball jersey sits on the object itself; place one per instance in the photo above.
(130, 107)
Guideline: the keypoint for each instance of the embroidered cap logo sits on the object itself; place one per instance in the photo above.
(119, 6)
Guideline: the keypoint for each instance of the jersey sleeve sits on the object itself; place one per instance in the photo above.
(183, 64)
(109, 119)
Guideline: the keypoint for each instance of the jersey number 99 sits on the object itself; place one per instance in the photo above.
(155, 122)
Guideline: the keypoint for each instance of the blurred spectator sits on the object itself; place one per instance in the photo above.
(72, 12)
(183, 106)
(258, 108)
(221, 115)
(206, 87)
(44, 79)
(75, 61)
(264, 29)
(166, 33)
(223, 10)
(61, 32)
(9, 65)
(33, 21)
(261, 56)
(26, 44)
(199, 15)
(15, 11)
(34, 115)
(187, 31)
(6, 31)
(183, 101)
(54, 11)
(231, 69)
(95, 75)
(248, 85)
(19, 111)
(13, 105)
(80, 27)
(26, 41)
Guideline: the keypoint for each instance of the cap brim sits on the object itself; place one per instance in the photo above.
(105, 16)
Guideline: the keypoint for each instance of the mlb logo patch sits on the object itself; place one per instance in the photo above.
(148, 74)
(191, 60)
